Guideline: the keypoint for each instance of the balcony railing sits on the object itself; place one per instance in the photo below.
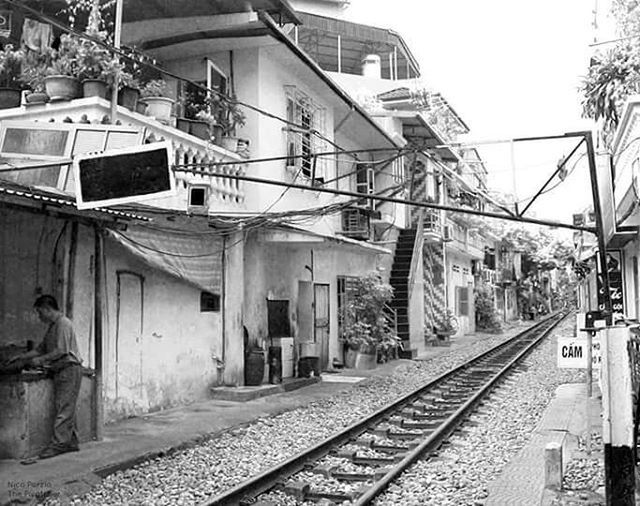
(224, 193)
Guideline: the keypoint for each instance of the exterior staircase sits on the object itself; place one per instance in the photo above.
(400, 281)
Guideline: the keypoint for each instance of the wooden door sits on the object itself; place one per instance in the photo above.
(321, 322)
(129, 317)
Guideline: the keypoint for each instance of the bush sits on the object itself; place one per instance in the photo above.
(364, 325)
(487, 317)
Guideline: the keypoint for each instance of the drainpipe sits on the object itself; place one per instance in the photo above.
(97, 330)
(221, 362)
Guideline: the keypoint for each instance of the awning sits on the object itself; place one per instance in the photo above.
(195, 258)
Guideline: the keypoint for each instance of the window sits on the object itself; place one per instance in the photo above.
(278, 318)
(209, 302)
(194, 96)
(462, 301)
(24, 142)
(198, 196)
(302, 143)
(397, 169)
(365, 181)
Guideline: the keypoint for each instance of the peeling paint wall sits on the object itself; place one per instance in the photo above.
(175, 351)
(32, 253)
(172, 361)
(273, 271)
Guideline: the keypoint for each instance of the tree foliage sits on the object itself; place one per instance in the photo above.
(614, 73)
(487, 317)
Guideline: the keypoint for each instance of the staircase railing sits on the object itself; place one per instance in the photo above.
(415, 255)
(391, 316)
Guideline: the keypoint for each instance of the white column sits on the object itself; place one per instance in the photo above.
(233, 300)
(617, 419)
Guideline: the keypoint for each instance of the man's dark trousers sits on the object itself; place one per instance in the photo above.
(66, 387)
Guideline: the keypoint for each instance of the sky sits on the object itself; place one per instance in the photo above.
(510, 68)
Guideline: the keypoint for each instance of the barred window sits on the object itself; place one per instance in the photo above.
(302, 142)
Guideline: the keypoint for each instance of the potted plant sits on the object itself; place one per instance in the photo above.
(229, 117)
(34, 70)
(448, 328)
(155, 94)
(97, 69)
(365, 328)
(61, 82)
(196, 118)
(11, 61)
(129, 92)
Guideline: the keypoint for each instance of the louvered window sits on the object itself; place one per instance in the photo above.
(305, 137)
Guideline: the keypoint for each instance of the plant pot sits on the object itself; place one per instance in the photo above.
(218, 132)
(159, 108)
(141, 108)
(95, 88)
(229, 143)
(10, 97)
(62, 87)
(200, 129)
(197, 128)
(350, 358)
(128, 97)
(36, 97)
(365, 361)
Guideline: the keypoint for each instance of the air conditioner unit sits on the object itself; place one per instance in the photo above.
(356, 223)
(447, 233)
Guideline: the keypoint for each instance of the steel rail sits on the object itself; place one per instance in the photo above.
(449, 425)
(247, 491)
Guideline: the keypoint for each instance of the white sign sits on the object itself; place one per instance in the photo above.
(572, 353)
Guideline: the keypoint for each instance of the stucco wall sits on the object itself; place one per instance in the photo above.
(34, 261)
(462, 278)
(273, 271)
(177, 345)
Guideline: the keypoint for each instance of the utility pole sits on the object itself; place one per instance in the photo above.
(617, 416)
(116, 78)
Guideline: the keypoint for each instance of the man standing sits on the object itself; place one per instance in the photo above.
(58, 352)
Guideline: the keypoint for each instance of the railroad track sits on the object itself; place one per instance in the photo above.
(358, 463)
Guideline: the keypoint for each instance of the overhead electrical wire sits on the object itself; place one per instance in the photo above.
(131, 57)
(427, 205)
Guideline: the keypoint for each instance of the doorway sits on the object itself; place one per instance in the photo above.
(128, 345)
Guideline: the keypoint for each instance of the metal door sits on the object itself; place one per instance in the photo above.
(128, 346)
(321, 322)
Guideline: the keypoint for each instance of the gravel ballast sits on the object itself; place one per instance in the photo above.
(464, 468)
(194, 474)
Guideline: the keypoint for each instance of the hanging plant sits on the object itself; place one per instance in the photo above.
(613, 76)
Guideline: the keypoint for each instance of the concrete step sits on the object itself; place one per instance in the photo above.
(248, 393)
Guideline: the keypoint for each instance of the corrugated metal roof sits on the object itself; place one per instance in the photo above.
(19, 191)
